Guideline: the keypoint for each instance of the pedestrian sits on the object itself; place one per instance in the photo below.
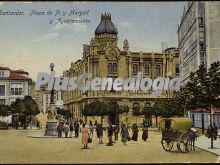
(96, 128)
(116, 131)
(110, 133)
(85, 136)
(66, 129)
(124, 134)
(135, 132)
(100, 133)
(80, 125)
(76, 127)
(60, 130)
(71, 129)
(122, 124)
(145, 133)
(91, 128)
(215, 131)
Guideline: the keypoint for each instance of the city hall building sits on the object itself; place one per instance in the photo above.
(103, 58)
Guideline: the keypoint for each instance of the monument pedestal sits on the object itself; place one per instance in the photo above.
(51, 125)
(51, 128)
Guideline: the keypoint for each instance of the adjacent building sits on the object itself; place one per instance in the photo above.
(14, 84)
(199, 36)
(103, 58)
(199, 43)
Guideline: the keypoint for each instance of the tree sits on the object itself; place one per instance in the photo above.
(66, 113)
(30, 109)
(123, 109)
(4, 109)
(18, 106)
(136, 111)
(203, 90)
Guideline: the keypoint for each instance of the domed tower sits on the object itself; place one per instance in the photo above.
(106, 32)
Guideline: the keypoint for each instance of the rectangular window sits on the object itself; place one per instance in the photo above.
(2, 90)
(135, 69)
(157, 69)
(16, 89)
(110, 68)
(1, 73)
(146, 69)
(2, 101)
(202, 46)
(177, 69)
(115, 67)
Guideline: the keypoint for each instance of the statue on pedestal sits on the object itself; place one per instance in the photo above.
(51, 113)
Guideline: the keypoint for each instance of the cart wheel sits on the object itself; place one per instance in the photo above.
(167, 144)
(183, 144)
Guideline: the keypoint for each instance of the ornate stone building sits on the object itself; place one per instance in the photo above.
(103, 58)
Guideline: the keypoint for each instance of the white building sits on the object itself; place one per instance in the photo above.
(14, 84)
(199, 36)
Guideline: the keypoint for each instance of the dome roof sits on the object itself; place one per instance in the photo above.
(106, 26)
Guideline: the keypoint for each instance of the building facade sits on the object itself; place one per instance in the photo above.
(199, 43)
(42, 98)
(198, 37)
(103, 58)
(14, 84)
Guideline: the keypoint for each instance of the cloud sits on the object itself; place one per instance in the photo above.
(46, 36)
(125, 24)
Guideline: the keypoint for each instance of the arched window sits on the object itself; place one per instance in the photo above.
(136, 105)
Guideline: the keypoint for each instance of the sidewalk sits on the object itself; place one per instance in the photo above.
(205, 144)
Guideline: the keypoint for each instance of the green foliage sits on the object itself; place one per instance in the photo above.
(136, 111)
(18, 106)
(65, 113)
(123, 109)
(202, 90)
(98, 108)
(4, 109)
(167, 108)
(31, 107)
(27, 106)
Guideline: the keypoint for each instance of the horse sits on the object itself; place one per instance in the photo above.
(193, 138)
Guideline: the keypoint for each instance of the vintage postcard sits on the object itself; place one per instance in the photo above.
(109, 82)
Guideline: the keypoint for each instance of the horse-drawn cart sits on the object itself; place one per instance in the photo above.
(177, 130)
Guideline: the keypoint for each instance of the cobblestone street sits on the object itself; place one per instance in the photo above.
(17, 147)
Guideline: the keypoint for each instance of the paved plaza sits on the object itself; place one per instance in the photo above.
(18, 147)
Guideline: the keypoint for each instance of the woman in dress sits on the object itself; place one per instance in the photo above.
(85, 136)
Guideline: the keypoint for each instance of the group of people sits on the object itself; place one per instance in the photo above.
(68, 128)
(111, 131)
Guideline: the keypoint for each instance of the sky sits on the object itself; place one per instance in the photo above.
(31, 43)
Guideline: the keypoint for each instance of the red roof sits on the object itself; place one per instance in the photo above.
(4, 68)
(215, 110)
(15, 76)
(21, 71)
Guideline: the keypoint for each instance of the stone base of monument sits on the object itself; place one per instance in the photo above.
(51, 128)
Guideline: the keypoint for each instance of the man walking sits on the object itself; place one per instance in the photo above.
(60, 129)
(66, 129)
(110, 133)
(76, 127)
